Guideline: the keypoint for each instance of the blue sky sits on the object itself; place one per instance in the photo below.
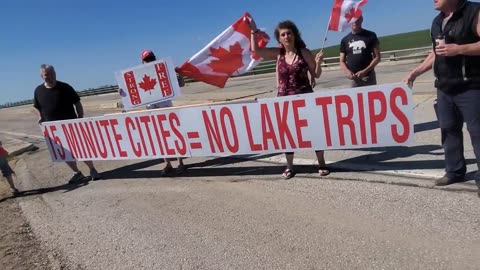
(87, 41)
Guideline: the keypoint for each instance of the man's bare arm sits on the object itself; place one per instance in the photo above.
(420, 69)
(79, 109)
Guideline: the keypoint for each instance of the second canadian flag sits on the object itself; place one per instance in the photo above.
(344, 13)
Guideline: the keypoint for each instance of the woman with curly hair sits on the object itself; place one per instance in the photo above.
(294, 63)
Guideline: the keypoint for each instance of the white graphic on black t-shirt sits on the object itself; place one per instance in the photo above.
(357, 46)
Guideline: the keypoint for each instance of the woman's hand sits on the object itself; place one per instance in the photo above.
(319, 57)
(313, 82)
(251, 23)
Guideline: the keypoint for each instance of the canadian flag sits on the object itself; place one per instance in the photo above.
(227, 55)
(344, 13)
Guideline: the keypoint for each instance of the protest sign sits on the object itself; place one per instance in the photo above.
(374, 116)
(148, 84)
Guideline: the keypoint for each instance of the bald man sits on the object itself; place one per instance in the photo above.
(54, 101)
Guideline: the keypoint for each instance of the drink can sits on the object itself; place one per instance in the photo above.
(440, 40)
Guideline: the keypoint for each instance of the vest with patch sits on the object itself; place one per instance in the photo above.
(457, 73)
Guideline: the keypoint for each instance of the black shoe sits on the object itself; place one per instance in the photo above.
(445, 181)
(15, 192)
(76, 178)
(95, 175)
(167, 171)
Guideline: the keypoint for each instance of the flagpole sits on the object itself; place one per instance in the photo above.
(328, 26)
(326, 34)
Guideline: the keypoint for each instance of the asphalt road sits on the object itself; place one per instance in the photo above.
(237, 214)
(229, 214)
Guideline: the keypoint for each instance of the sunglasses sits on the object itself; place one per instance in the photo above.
(284, 34)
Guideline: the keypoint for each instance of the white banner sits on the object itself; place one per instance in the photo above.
(149, 83)
(375, 116)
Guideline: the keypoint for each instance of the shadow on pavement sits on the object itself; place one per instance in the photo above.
(386, 155)
(195, 171)
(383, 160)
(133, 170)
(202, 169)
(426, 126)
(248, 171)
(65, 187)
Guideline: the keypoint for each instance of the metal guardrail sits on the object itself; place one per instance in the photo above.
(395, 55)
(89, 92)
(263, 68)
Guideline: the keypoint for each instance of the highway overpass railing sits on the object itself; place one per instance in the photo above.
(264, 67)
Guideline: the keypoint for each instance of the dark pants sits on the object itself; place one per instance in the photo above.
(453, 111)
(365, 81)
(442, 131)
(5, 168)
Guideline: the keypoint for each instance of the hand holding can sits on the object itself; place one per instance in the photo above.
(439, 41)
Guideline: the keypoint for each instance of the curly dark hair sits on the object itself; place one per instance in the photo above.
(296, 33)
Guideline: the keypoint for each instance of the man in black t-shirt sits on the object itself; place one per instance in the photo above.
(60, 102)
(54, 101)
(359, 55)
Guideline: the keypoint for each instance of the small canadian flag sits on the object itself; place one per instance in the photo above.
(228, 54)
(344, 13)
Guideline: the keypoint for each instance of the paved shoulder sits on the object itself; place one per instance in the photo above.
(225, 214)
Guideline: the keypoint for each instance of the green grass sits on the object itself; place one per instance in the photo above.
(406, 41)
(390, 43)
(387, 43)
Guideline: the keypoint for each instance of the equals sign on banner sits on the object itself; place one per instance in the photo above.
(194, 135)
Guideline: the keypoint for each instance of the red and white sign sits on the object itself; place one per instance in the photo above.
(376, 116)
(344, 13)
(228, 54)
(148, 84)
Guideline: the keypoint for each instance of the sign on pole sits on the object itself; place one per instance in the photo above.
(148, 84)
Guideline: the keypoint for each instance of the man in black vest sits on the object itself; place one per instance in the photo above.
(456, 61)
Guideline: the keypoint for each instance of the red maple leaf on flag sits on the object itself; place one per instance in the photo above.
(148, 84)
(227, 61)
(353, 14)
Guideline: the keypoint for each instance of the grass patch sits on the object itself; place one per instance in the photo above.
(387, 43)
(391, 43)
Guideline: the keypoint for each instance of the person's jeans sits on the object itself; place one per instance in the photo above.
(453, 111)
(366, 81)
(5, 168)
(442, 131)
